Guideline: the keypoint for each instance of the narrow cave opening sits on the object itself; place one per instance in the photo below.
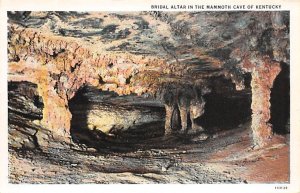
(102, 119)
(176, 120)
(280, 101)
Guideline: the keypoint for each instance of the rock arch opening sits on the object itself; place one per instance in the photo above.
(224, 113)
(104, 119)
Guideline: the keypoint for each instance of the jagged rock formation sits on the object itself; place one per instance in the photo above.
(24, 105)
(139, 53)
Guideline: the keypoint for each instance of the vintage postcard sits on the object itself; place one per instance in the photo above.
(174, 93)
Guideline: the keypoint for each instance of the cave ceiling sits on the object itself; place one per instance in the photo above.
(189, 45)
(175, 56)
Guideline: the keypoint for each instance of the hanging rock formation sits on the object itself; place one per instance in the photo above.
(185, 100)
(139, 53)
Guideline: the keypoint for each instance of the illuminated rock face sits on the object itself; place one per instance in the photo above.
(60, 68)
(93, 109)
(139, 53)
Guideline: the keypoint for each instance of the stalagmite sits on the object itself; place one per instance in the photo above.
(168, 121)
(196, 110)
(169, 101)
(183, 106)
(190, 107)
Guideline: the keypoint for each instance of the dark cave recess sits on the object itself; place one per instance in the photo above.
(23, 98)
(130, 118)
(224, 110)
(24, 108)
(280, 101)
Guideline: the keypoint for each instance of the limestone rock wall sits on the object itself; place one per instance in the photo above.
(142, 51)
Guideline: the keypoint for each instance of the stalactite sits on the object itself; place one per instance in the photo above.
(190, 106)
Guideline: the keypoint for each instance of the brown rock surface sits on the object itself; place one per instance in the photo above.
(117, 82)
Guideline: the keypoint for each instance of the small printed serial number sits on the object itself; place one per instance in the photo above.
(281, 187)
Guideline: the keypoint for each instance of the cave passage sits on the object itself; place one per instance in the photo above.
(280, 101)
(103, 119)
(222, 112)
(225, 112)
(226, 108)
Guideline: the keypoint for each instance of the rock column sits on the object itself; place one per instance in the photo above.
(168, 121)
(183, 106)
(56, 114)
(261, 84)
(169, 101)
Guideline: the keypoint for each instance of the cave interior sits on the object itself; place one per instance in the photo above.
(150, 86)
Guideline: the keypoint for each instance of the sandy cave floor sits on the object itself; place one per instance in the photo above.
(225, 157)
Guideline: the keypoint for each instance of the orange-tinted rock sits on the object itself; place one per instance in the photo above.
(60, 72)
(262, 81)
(121, 56)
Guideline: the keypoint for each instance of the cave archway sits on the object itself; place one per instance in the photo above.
(280, 101)
(223, 113)
(102, 119)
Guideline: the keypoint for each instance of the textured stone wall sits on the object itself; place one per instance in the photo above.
(60, 67)
(141, 52)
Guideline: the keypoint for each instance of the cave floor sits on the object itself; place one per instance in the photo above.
(225, 157)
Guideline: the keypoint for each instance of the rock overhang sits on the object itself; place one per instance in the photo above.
(141, 52)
